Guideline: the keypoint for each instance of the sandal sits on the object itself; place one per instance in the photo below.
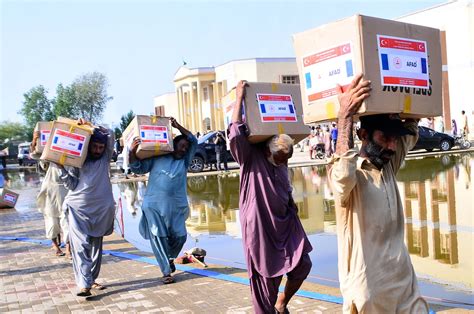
(97, 286)
(168, 279)
(172, 266)
(84, 292)
(60, 253)
(285, 311)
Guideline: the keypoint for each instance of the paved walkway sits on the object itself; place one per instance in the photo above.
(33, 279)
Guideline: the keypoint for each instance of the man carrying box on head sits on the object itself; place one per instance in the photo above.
(375, 270)
(165, 205)
(273, 237)
(91, 208)
(50, 202)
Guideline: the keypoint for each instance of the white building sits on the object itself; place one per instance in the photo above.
(455, 19)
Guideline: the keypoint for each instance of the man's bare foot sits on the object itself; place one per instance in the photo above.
(168, 279)
(97, 286)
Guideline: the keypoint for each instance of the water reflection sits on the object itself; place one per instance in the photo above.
(439, 226)
(20, 179)
(132, 194)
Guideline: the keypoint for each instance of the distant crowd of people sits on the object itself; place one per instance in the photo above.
(321, 142)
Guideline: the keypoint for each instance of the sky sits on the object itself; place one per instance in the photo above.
(139, 45)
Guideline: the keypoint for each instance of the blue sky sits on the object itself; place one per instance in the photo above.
(139, 45)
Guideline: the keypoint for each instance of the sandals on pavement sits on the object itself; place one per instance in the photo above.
(60, 253)
(172, 266)
(97, 286)
(84, 292)
(285, 311)
(168, 279)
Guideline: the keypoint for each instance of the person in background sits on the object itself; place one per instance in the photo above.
(273, 238)
(375, 271)
(334, 136)
(464, 124)
(91, 208)
(454, 127)
(165, 206)
(50, 202)
(317, 141)
(220, 149)
(327, 141)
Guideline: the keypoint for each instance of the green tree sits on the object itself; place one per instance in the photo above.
(36, 107)
(126, 119)
(118, 133)
(90, 95)
(124, 122)
(13, 131)
(65, 103)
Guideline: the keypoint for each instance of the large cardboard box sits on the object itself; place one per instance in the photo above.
(68, 143)
(45, 130)
(269, 109)
(8, 198)
(154, 132)
(403, 62)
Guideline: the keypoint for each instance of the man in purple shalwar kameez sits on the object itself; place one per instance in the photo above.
(273, 237)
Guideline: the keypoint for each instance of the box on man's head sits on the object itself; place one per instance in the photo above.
(154, 132)
(68, 143)
(402, 61)
(269, 109)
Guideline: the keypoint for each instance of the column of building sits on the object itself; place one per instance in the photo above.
(198, 114)
(192, 107)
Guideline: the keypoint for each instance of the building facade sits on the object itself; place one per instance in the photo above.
(199, 91)
(166, 105)
(455, 19)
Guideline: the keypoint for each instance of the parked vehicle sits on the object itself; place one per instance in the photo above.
(23, 155)
(462, 142)
(205, 153)
(430, 139)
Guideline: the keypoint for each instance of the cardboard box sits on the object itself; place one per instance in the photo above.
(269, 109)
(68, 143)
(155, 133)
(45, 130)
(403, 62)
(8, 198)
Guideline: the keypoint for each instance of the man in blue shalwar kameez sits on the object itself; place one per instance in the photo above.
(165, 206)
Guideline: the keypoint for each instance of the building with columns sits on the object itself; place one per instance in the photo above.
(199, 91)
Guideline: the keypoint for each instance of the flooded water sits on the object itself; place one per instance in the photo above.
(438, 197)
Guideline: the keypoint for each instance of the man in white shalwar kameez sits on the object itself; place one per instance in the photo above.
(50, 201)
(375, 271)
(91, 209)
